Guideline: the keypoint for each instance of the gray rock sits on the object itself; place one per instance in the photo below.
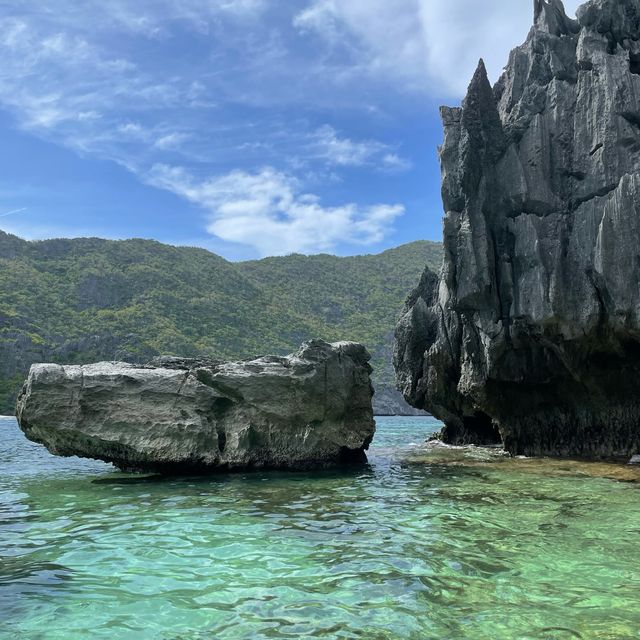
(388, 401)
(635, 460)
(309, 409)
(532, 337)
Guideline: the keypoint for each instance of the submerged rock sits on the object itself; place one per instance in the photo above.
(532, 336)
(309, 409)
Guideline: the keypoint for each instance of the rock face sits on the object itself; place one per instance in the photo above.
(388, 401)
(532, 336)
(309, 409)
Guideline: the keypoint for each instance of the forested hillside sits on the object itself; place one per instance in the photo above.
(75, 301)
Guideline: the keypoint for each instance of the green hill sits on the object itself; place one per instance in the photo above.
(87, 299)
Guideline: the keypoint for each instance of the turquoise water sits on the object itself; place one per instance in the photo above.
(446, 546)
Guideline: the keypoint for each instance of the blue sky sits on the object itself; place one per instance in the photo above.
(248, 127)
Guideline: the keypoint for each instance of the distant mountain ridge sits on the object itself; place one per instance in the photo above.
(87, 299)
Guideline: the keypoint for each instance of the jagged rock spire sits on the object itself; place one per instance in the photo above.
(480, 115)
(550, 16)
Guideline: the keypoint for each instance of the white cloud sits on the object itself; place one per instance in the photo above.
(343, 151)
(373, 38)
(132, 129)
(327, 145)
(13, 212)
(68, 83)
(426, 45)
(72, 90)
(49, 79)
(242, 7)
(78, 90)
(268, 211)
(321, 16)
(171, 141)
(458, 33)
(393, 162)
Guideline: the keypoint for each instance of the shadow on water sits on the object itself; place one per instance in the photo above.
(222, 477)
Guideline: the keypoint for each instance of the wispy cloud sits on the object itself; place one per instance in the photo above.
(68, 89)
(153, 19)
(372, 38)
(171, 141)
(422, 45)
(63, 80)
(336, 150)
(14, 212)
(269, 211)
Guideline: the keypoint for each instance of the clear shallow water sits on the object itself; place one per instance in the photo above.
(443, 547)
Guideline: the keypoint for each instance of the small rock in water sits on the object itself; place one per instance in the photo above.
(635, 460)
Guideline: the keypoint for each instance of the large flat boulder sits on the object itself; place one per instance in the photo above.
(307, 410)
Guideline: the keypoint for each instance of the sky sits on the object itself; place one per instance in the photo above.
(247, 127)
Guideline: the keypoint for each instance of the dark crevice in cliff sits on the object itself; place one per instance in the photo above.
(484, 428)
(452, 353)
(353, 457)
(599, 193)
(478, 429)
(631, 143)
(632, 118)
(222, 440)
(221, 406)
(180, 388)
(596, 148)
(603, 298)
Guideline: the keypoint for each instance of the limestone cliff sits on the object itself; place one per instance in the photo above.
(532, 336)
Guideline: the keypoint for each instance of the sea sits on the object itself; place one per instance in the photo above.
(424, 542)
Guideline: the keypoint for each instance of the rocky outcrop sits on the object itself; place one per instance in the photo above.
(310, 409)
(532, 337)
(388, 401)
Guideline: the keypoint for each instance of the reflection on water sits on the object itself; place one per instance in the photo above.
(421, 544)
